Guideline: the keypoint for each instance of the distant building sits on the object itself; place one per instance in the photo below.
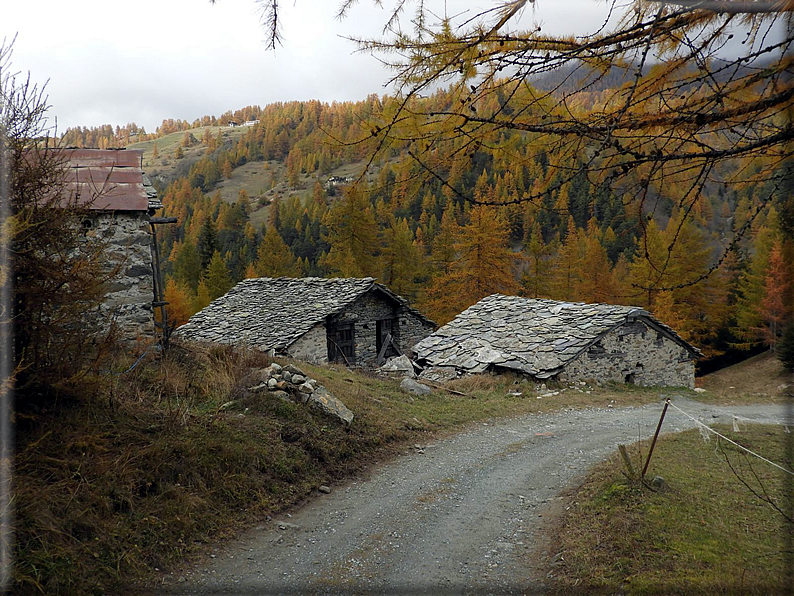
(251, 122)
(334, 181)
(568, 341)
(232, 124)
(121, 199)
(317, 320)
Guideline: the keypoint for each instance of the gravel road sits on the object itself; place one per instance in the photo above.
(460, 516)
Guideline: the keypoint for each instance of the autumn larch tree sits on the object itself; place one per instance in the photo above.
(484, 265)
(685, 113)
(274, 258)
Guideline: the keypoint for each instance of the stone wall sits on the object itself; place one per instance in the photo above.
(312, 346)
(130, 293)
(364, 314)
(634, 353)
(411, 330)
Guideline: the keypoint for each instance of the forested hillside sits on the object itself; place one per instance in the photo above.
(295, 195)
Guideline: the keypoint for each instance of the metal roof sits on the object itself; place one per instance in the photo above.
(108, 179)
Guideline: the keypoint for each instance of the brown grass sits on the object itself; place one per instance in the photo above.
(144, 468)
(760, 379)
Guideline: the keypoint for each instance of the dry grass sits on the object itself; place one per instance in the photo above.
(144, 468)
(760, 379)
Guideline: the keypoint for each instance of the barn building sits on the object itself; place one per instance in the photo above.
(345, 320)
(547, 339)
(121, 200)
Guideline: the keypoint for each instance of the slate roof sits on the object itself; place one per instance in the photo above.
(538, 337)
(271, 313)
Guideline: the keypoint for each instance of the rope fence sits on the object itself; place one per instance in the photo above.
(724, 438)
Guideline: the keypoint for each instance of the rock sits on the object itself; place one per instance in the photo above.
(439, 374)
(700, 390)
(281, 395)
(325, 489)
(322, 400)
(294, 370)
(271, 383)
(306, 388)
(659, 483)
(410, 386)
(282, 525)
(782, 387)
(401, 364)
(255, 377)
(298, 380)
(257, 388)
(275, 368)
(227, 405)
(287, 376)
(282, 386)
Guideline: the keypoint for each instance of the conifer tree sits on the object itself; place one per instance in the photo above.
(594, 281)
(202, 296)
(564, 278)
(352, 236)
(484, 265)
(216, 277)
(207, 242)
(400, 259)
(274, 258)
(180, 302)
(774, 309)
(537, 277)
(187, 264)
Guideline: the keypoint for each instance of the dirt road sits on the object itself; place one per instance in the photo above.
(461, 516)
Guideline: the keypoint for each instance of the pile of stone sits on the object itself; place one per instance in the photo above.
(291, 383)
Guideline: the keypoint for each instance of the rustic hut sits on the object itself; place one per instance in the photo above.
(120, 198)
(347, 320)
(547, 339)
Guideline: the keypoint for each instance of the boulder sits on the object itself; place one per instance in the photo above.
(399, 364)
(281, 395)
(306, 388)
(298, 380)
(322, 400)
(439, 374)
(294, 370)
(410, 386)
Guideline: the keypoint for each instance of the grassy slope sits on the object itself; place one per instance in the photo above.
(760, 379)
(106, 494)
(706, 534)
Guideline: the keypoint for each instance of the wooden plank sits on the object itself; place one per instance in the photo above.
(383, 348)
(104, 157)
(104, 175)
(119, 197)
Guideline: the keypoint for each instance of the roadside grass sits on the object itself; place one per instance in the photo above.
(137, 472)
(760, 379)
(705, 534)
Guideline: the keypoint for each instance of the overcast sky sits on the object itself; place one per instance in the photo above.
(111, 62)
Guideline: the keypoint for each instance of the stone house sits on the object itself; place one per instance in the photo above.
(121, 200)
(547, 339)
(345, 320)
